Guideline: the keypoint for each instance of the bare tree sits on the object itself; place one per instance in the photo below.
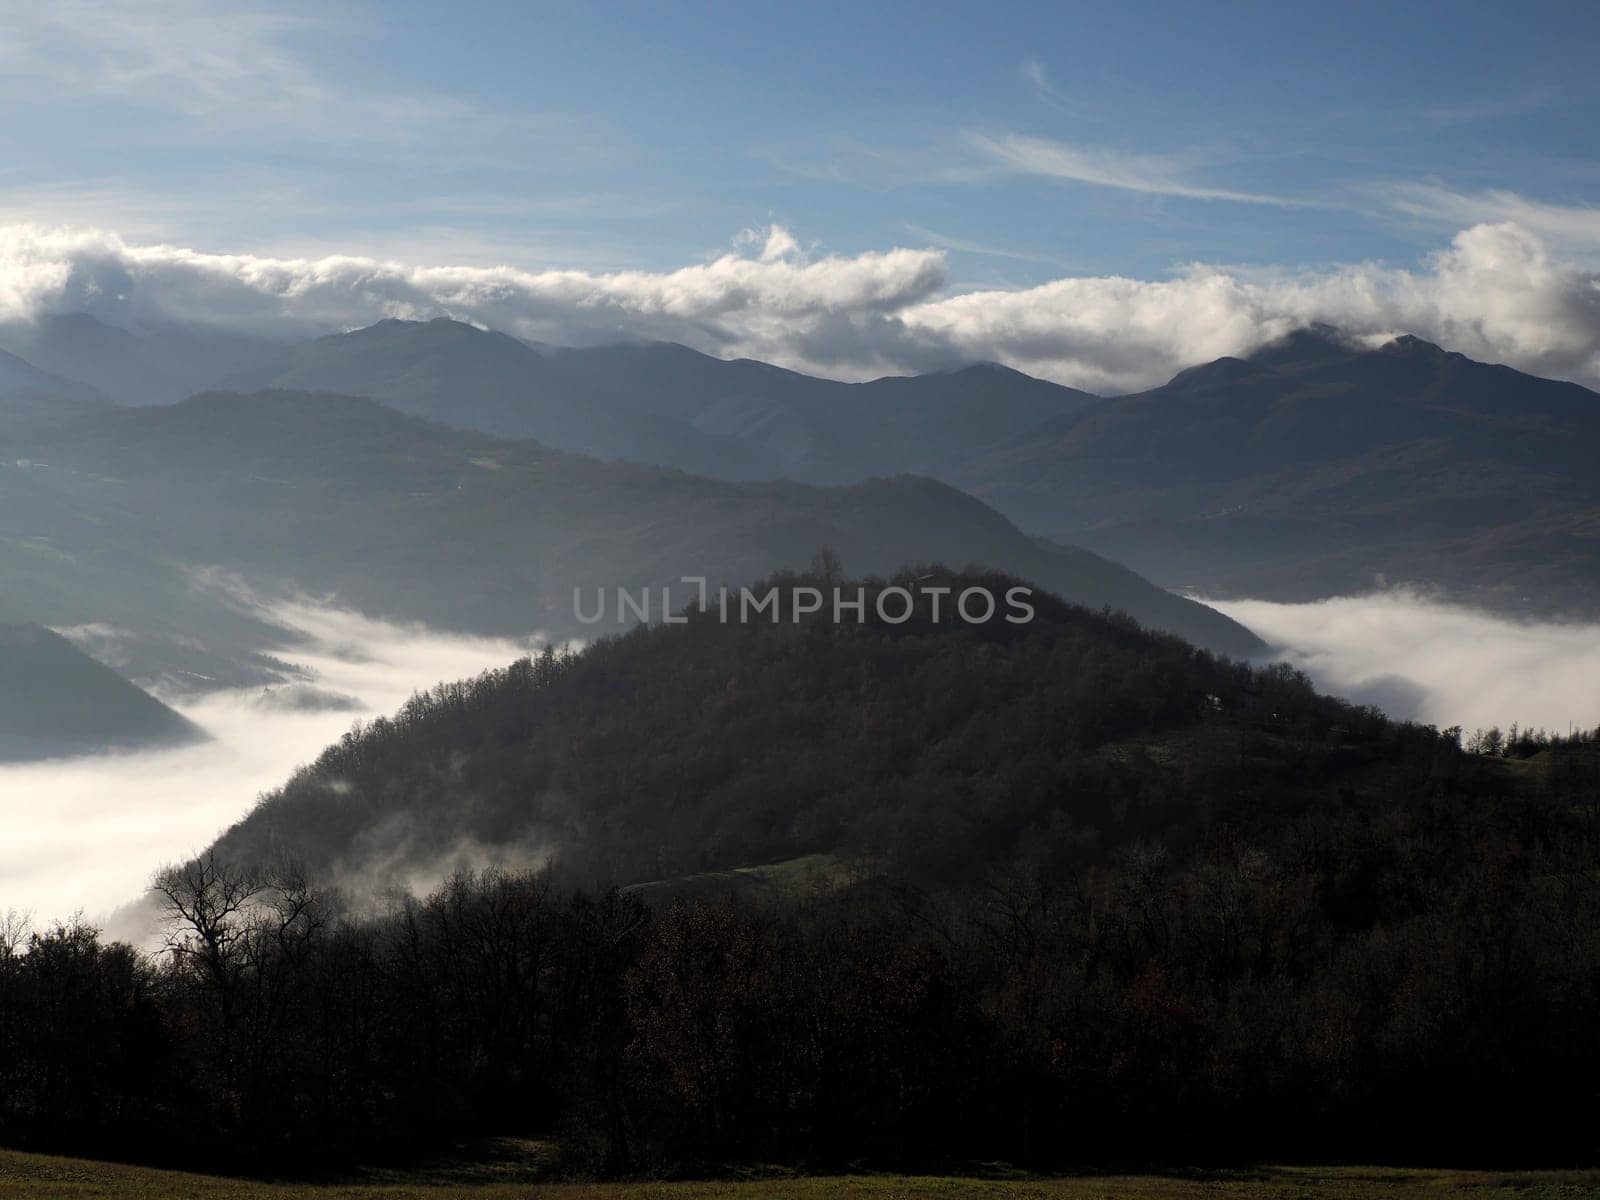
(207, 900)
(15, 928)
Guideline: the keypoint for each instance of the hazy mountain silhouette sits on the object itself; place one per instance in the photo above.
(55, 701)
(341, 496)
(821, 430)
(33, 397)
(668, 405)
(155, 365)
(1316, 467)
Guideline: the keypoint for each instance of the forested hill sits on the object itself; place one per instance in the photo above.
(928, 749)
(1048, 894)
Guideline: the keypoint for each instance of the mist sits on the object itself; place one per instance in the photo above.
(1442, 664)
(86, 834)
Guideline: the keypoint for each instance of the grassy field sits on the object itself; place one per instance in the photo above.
(37, 1176)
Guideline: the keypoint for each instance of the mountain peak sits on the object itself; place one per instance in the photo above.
(1413, 346)
(1310, 344)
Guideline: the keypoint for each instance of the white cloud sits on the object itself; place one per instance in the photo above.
(1438, 663)
(1572, 225)
(1497, 292)
(733, 299)
(1161, 175)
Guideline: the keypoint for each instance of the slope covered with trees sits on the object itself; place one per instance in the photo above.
(1095, 896)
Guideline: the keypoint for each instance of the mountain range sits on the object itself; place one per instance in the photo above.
(1315, 466)
(669, 405)
(1318, 467)
(343, 498)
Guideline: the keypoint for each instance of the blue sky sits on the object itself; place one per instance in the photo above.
(1098, 194)
(1029, 141)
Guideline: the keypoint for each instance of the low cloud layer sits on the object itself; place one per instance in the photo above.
(1498, 292)
(1437, 663)
(86, 834)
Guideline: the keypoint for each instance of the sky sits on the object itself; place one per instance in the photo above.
(1096, 193)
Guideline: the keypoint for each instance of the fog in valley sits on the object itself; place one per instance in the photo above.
(86, 834)
(1443, 664)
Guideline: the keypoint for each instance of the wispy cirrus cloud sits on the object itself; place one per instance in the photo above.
(234, 71)
(1155, 174)
(187, 53)
(966, 246)
(1567, 224)
(1047, 93)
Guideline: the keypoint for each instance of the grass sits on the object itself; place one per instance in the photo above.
(40, 1176)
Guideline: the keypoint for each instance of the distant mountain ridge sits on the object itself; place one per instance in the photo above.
(1314, 466)
(156, 365)
(656, 403)
(1318, 466)
(345, 498)
(33, 396)
(666, 404)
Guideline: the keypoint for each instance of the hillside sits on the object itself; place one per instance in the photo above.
(928, 748)
(342, 497)
(581, 759)
(56, 701)
(1093, 896)
(1315, 467)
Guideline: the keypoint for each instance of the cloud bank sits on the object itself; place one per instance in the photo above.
(86, 834)
(1438, 663)
(1497, 292)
